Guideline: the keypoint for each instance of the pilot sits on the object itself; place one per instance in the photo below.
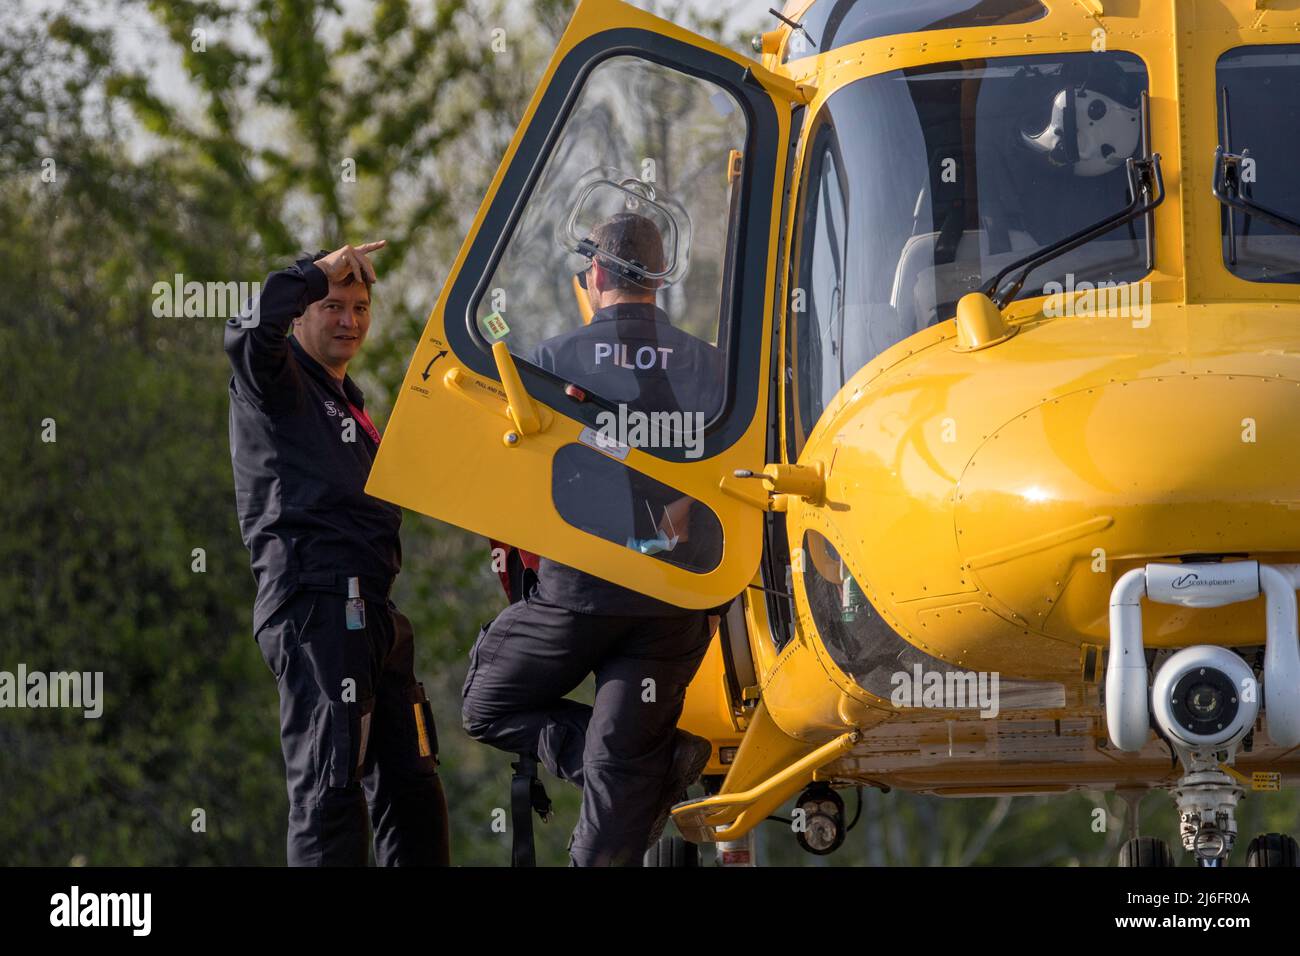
(1085, 125)
(623, 751)
(1089, 132)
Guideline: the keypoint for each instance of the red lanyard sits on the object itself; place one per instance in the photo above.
(365, 421)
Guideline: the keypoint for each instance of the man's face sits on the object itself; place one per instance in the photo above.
(333, 329)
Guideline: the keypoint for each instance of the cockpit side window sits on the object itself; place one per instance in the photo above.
(817, 301)
(1259, 118)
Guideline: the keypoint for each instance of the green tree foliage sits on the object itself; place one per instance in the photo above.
(219, 171)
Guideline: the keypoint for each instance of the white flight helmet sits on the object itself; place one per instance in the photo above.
(1089, 132)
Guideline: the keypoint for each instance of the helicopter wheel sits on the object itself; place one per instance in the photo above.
(673, 851)
(1273, 849)
(1146, 851)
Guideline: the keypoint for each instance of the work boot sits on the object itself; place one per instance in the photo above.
(690, 756)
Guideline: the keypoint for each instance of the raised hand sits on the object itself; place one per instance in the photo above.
(351, 262)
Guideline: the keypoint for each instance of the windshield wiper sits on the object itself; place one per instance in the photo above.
(1227, 189)
(1230, 189)
(1147, 189)
(792, 24)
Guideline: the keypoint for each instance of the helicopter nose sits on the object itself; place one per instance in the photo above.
(1150, 468)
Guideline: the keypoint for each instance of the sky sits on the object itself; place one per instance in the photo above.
(138, 35)
(743, 13)
(142, 48)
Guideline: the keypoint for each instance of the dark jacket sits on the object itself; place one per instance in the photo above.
(676, 372)
(299, 484)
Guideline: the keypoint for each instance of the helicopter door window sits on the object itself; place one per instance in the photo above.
(611, 279)
(604, 497)
(1259, 119)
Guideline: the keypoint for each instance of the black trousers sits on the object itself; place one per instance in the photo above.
(357, 734)
(619, 750)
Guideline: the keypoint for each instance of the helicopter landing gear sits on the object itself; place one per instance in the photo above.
(819, 825)
(742, 852)
(674, 852)
(1273, 849)
(1207, 800)
(1140, 851)
(1146, 852)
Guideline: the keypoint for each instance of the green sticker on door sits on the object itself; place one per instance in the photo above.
(495, 325)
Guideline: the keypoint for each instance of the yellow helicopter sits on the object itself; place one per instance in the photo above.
(1005, 466)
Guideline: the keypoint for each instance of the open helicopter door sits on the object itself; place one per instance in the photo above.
(610, 445)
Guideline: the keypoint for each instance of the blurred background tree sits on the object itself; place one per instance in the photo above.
(141, 139)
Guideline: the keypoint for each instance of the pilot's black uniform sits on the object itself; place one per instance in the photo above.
(351, 711)
(573, 624)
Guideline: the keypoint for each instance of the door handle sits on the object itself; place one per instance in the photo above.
(525, 416)
(520, 406)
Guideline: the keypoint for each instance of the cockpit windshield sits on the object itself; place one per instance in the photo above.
(919, 185)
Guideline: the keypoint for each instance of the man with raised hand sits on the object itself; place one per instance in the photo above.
(355, 726)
